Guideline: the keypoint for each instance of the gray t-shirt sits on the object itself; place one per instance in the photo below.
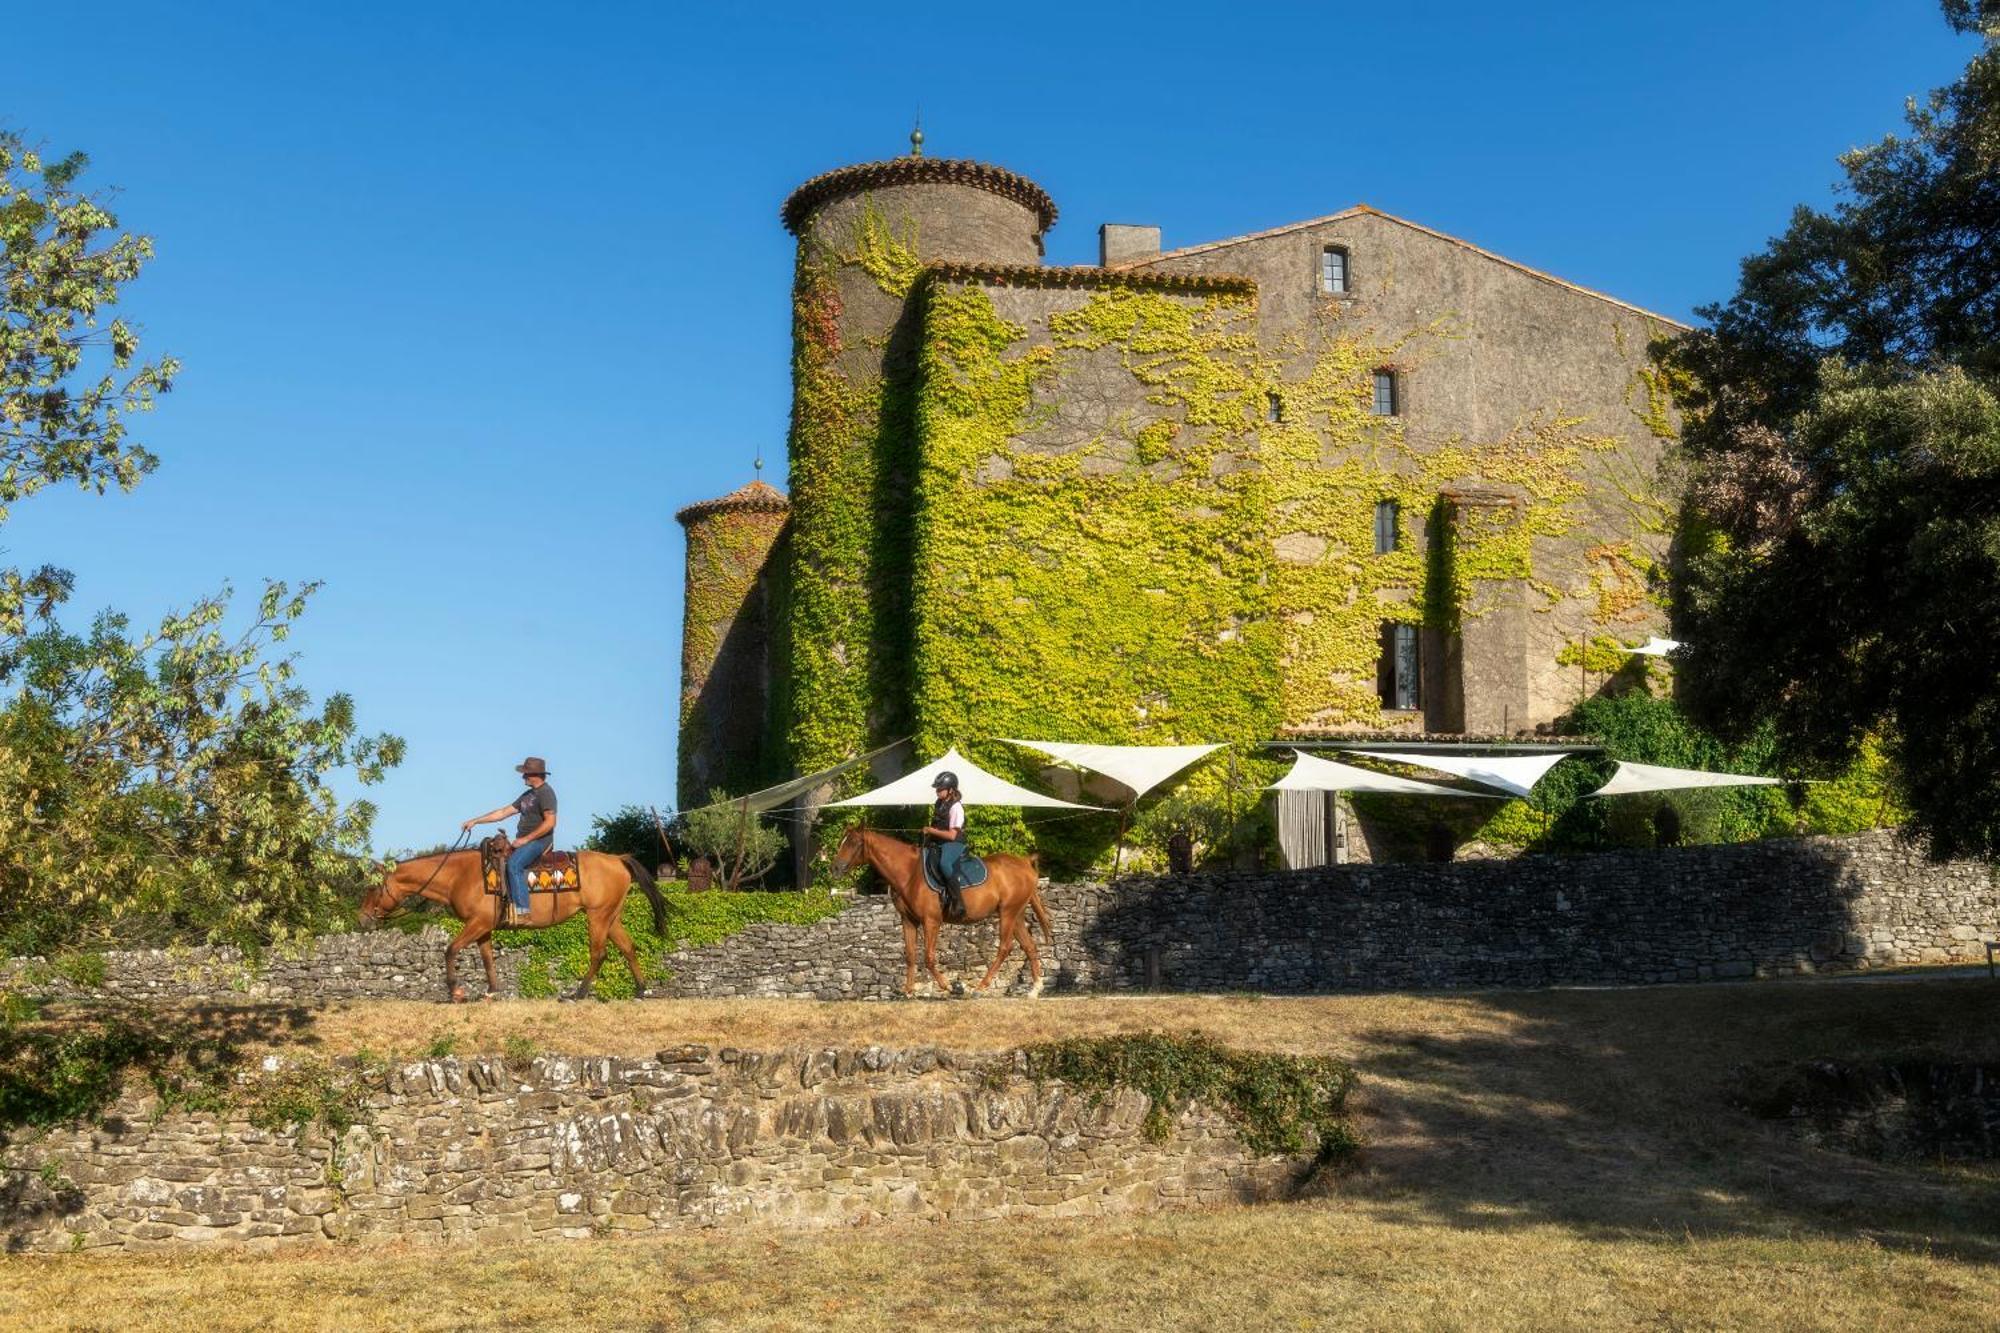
(533, 804)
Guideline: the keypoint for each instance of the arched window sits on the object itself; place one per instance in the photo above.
(1333, 271)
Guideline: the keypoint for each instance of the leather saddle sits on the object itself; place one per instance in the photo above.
(556, 872)
(971, 871)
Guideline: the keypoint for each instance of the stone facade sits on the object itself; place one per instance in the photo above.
(1493, 362)
(565, 1147)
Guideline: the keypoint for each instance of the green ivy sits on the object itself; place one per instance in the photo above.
(555, 959)
(1195, 571)
(1281, 1104)
(1642, 728)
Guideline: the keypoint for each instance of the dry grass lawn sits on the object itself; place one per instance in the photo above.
(1555, 1159)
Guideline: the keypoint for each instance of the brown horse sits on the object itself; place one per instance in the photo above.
(1010, 890)
(453, 878)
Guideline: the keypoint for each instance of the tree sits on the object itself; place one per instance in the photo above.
(742, 848)
(1842, 554)
(632, 830)
(162, 785)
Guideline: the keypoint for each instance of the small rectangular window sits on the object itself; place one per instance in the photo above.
(1388, 521)
(1398, 671)
(1333, 270)
(1274, 407)
(1386, 404)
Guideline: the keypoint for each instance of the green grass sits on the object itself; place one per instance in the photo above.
(556, 958)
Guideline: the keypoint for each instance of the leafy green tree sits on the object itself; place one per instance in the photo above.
(632, 830)
(1842, 558)
(166, 784)
(742, 850)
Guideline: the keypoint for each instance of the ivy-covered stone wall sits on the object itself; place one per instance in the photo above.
(1140, 505)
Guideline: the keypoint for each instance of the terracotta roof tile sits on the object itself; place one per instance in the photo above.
(917, 171)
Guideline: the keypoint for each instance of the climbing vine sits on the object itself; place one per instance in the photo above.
(1114, 513)
(728, 546)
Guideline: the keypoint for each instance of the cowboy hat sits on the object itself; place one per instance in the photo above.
(532, 767)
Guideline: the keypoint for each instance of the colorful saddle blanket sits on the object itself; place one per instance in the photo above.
(556, 872)
(971, 871)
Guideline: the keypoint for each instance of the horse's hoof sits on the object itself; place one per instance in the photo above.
(1035, 991)
(458, 995)
(486, 998)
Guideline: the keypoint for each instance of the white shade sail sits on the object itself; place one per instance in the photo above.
(1515, 774)
(1654, 647)
(1139, 768)
(975, 785)
(1310, 774)
(1630, 778)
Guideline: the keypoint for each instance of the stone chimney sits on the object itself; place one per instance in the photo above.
(1121, 243)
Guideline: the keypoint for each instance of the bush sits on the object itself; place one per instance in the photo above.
(1282, 1104)
(634, 831)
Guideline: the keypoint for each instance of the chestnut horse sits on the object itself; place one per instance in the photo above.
(453, 878)
(1011, 889)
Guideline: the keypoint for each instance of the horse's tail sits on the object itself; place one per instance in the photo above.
(644, 879)
(1035, 899)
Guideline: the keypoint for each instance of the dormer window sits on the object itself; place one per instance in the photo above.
(1274, 408)
(1333, 271)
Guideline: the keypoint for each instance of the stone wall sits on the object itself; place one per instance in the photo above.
(373, 965)
(577, 1147)
(1624, 917)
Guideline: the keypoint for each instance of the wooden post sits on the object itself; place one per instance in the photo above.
(665, 843)
(1118, 856)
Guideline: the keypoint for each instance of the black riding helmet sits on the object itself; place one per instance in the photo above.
(945, 779)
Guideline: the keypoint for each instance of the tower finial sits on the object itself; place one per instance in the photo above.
(759, 464)
(917, 135)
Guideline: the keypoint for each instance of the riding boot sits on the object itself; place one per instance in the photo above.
(954, 900)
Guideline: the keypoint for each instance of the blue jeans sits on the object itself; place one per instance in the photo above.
(518, 862)
(949, 856)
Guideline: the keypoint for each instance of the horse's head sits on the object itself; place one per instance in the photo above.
(380, 901)
(852, 848)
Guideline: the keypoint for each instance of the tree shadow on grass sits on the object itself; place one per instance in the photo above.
(1613, 1112)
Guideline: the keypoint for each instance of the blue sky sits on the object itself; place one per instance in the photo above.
(472, 297)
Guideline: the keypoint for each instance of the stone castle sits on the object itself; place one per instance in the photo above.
(1348, 475)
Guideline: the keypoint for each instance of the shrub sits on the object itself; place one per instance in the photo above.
(1281, 1104)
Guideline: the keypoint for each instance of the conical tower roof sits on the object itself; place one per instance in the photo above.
(756, 496)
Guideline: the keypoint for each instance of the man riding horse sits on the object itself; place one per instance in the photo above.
(533, 834)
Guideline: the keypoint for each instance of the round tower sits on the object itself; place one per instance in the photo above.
(726, 640)
(865, 235)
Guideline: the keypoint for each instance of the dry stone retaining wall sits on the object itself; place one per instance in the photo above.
(573, 1147)
(1770, 908)
(367, 965)
(1623, 917)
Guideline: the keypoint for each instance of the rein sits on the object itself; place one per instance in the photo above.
(443, 858)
